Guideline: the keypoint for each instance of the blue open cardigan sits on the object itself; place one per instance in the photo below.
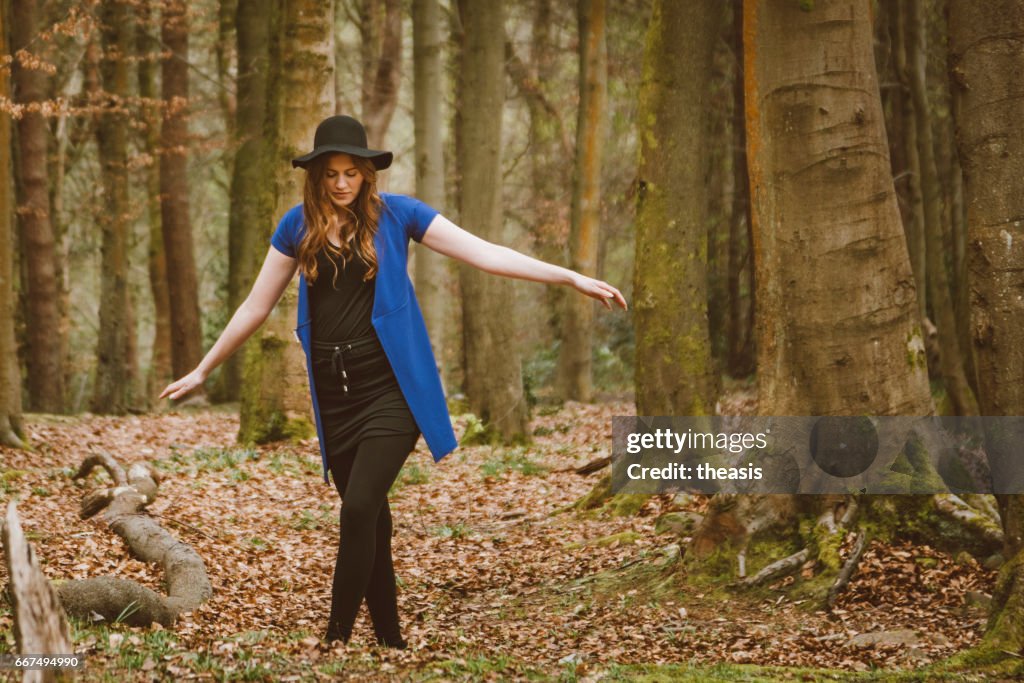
(396, 317)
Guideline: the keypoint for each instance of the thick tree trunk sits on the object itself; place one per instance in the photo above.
(985, 63)
(38, 244)
(300, 94)
(838, 329)
(112, 391)
(251, 211)
(575, 367)
(674, 370)
(950, 359)
(186, 334)
(12, 431)
(160, 371)
(380, 25)
(494, 382)
(431, 269)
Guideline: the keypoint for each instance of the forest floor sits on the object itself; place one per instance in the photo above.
(499, 579)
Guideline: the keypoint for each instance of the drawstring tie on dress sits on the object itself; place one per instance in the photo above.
(338, 365)
(338, 351)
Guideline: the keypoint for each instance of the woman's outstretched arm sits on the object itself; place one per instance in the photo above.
(446, 238)
(274, 276)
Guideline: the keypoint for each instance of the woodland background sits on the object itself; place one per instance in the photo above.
(813, 204)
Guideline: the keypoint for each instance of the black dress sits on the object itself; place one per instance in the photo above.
(356, 388)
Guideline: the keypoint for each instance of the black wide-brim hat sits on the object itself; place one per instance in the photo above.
(343, 134)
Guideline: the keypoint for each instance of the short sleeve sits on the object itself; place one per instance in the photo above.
(285, 238)
(420, 216)
(414, 215)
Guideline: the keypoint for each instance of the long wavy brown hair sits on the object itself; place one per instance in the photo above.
(358, 220)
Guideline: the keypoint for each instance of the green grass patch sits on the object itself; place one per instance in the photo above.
(219, 459)
(411, 475)
(287, 462)
(750, 673)
(457, 530)
(511, 460)
(479, 665)
(313, 519)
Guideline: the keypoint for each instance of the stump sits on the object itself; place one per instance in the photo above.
(39, 623)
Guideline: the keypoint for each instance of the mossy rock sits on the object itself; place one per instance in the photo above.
(681, 524)
(626, 504)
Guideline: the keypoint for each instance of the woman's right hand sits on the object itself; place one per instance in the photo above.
(184, 385)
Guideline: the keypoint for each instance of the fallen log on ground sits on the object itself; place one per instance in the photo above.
(123, 506)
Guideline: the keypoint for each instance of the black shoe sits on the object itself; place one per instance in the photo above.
(396, 643)
(336, 632)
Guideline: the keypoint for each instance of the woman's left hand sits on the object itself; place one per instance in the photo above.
(602, 291)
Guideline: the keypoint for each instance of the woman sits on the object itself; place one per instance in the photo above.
(373, 378)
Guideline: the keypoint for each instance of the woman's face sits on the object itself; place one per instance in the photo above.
(342, 180)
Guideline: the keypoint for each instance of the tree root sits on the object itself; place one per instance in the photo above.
(115, 599)
(786, 565)
(984, 523)
(850, 566)
(826, 527)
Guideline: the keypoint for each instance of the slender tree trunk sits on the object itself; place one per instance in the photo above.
(112, 391)
(889, 51)
(950, 358)
(12, 431)
(915, 224)
(251, 212)
(226, 58)
(833, 273)
(381, 29)
(985, 62)
(431, 268)
(958, 233)
(300, 94)
(494, 381)
(674, 373)
(740, 321)
(160, 371)
(575, 366)
(719, 183)
(550, 175)
(38, 244)
(183, 290)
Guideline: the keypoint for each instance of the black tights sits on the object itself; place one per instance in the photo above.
(363, 476)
